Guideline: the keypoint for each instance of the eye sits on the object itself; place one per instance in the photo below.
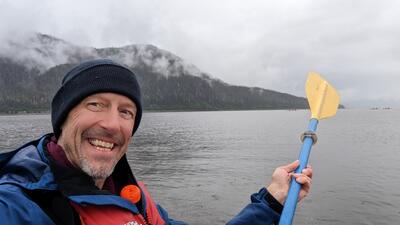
(127, 114)
(94, 106)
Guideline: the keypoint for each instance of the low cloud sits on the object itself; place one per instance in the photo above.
(269, 44)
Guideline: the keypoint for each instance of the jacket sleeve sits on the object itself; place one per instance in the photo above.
(257, 212)
(168, 221)
(16, 208)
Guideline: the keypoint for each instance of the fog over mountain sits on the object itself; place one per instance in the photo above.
(268, 44)
(31, 69)
(40, 51)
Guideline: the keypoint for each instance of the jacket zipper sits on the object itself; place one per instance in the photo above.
(144, 220)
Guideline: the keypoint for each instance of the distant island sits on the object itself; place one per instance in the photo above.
(31, 71)
(384, 108)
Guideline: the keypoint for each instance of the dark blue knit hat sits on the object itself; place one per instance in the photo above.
(90, 77)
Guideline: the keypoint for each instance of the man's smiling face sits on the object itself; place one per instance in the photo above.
(97, 132)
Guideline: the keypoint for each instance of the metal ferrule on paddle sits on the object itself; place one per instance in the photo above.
(324, 101)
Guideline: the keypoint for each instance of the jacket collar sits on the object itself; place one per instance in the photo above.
(27, 167)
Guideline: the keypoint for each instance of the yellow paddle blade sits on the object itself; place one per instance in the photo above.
(322, 97)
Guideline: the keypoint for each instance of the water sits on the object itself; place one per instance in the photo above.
(203, 166)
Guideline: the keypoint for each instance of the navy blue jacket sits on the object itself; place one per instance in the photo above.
(33, 191)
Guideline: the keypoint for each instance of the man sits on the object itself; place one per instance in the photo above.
(80, 175)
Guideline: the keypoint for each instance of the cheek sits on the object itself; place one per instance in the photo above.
(73, 125)
(127, 129)
(128, 141)
(73, 134)
(128, 138)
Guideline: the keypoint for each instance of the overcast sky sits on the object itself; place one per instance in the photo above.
(355, 45)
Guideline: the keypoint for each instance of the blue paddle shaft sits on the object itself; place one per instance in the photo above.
(291, 201)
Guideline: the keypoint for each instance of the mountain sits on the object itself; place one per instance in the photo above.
(31, 71)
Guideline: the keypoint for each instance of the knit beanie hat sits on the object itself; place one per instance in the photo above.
(90, 77)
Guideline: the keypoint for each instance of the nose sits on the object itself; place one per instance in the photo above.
(111, 121)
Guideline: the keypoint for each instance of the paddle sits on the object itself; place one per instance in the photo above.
(324, 101)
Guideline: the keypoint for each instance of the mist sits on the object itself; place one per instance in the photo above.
(267, 44)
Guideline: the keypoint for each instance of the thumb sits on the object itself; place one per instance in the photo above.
(291, 167)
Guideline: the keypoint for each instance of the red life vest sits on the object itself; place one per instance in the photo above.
(109, 214)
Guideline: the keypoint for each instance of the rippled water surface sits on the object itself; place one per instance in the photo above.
(203, 166)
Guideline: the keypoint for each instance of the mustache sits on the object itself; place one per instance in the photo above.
(99, 132)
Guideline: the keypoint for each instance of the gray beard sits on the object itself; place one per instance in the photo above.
(101, 172)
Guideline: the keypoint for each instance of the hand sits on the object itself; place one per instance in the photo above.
(281, 178)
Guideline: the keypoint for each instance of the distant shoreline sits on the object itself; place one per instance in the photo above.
(23, 113)
(152, 111)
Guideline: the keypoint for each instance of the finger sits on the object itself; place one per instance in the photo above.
(302, 179)
(306, 184)
(303, 193)
(305, 188)
(308, 172)
(291, 167)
